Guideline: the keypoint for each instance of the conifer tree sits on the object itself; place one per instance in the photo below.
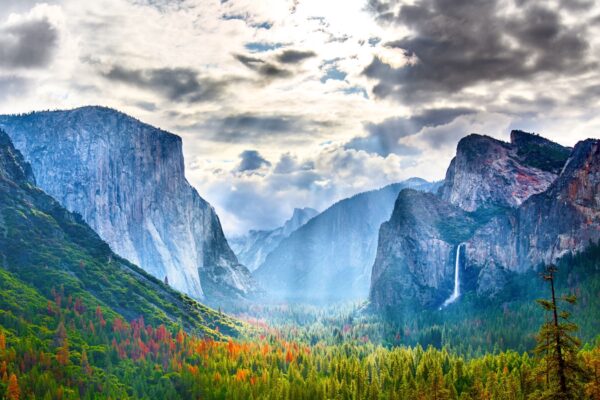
(557, 344)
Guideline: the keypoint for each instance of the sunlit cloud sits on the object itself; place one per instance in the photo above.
(285, 104)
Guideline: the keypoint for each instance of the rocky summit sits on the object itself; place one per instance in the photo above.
(513, 205)
(126, 179)
(486, 171)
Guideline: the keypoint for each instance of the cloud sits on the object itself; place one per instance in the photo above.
(12, 86)
(294, 56)
(289, 163)
(263, 197)
(457, 44)
(29, 42)
(265, 69)
(249, 127)
(251, 160)
(384, 138)
(177, 84)
(446, 136)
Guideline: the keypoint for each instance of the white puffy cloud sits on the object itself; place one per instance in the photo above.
(284, 84)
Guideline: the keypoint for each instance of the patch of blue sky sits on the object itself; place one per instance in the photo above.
(334, 74)
(356, 90)
(261, 47)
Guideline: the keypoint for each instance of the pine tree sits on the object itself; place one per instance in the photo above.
(557, 345)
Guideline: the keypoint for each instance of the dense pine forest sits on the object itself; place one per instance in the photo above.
(63, 346)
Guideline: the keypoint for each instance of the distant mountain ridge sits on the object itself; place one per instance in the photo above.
(126, 179)
(252, 248)
(513, 205)
(330, 257)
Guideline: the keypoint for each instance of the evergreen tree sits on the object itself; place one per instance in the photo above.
(557, 344)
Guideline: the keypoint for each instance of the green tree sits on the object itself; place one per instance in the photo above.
(557, 344)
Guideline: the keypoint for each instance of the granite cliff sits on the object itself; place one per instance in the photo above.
(513, 205)
(126, 179)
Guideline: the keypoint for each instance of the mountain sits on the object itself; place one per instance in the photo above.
(252, 248)
(487, 171)
(330, 257)
(47, 252)
(126, 179)
(416, 251)
(565, 218)
(509, 206)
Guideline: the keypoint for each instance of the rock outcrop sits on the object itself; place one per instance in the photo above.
(126, 179)
(330, 257)
(416, 251)
(252, 249)
(514, 206)
(565, 218)
(487, 171)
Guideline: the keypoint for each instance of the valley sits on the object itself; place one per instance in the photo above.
(448, 311)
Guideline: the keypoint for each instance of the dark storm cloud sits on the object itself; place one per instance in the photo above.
(260, 123)
(262, 67)
(250, 127)
(523, 107)
(30, 44)
(251, 160)
(383, 138)
(458, 43)
(586, 96)
(294, 56)
(577, 5)
(255, 128)
(177, 84)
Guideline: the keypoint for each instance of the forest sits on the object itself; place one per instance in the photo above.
(66, 347)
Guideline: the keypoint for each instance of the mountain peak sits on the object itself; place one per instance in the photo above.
(538, 152)
(299, 217)
(487, 171)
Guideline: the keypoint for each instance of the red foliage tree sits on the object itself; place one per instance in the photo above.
(13, 392)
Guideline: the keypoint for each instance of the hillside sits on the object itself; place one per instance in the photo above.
(48, 250)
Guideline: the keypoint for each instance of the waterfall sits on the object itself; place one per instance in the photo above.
(456, 292)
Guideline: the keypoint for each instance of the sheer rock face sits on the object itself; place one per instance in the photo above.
(127, 181)
(566, 217)
(416, 251)
(487, 171)
(330, 257)
(252, 249)
(522, 204)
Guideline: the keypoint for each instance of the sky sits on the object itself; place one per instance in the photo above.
(301, 103)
